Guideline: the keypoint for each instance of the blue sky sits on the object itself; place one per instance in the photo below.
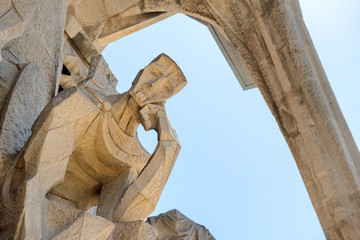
(235, 173)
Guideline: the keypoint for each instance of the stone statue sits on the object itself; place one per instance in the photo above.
(84, 152)
(175, 225)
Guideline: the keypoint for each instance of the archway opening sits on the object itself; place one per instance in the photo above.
(234, 172)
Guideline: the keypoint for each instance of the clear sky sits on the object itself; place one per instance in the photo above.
(235, 173)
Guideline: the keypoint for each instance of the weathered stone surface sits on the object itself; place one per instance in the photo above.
(136, 230)
(14, 17)
(110, 196)
(93, 24)
(31, 33)
(81, 154)
(9, 73)
(40, 166)
(23, 106)
(175, 225)
(271, 39)
(75, 67)
(42, 38)
(100, 78)
(86, 227)
(268, 36)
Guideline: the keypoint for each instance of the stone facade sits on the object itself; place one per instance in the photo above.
(68, 139)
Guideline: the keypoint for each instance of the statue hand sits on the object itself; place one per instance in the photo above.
(150, 115)
(153, 116)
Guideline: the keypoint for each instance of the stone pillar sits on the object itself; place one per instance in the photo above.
(31, 40)
(271, 39)
(273, 42)
(31, 36)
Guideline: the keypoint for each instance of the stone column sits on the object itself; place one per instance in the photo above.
(271, 39)
(31, 37)
(31, 40)
(273, 42)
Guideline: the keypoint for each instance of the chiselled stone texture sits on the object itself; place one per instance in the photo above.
(31, 37)
(30, 33)
(136, 230)
(86, 226)
(100, 78)
(24, 104)
(175, 225)
(274, 45)
(83, 145)
(92, 24)
(271, 39)
(84, 152)
(75, 67)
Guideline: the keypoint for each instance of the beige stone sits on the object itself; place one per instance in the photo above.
(83, 145)
(96, 127)
(85, 227)
(175, 225)
(23, 106)
(136, 230)
(30, 42)
(110, 196)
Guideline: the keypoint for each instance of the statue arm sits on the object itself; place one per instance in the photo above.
(143, 194)
(154, 117)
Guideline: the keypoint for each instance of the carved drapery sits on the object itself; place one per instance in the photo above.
(271, 40)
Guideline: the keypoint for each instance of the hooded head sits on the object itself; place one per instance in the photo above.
(158, 81)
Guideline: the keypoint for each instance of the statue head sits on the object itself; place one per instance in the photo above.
(158, 81)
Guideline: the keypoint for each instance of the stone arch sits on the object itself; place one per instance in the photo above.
(272, 42)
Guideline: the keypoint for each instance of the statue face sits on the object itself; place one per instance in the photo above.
(158, 81)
